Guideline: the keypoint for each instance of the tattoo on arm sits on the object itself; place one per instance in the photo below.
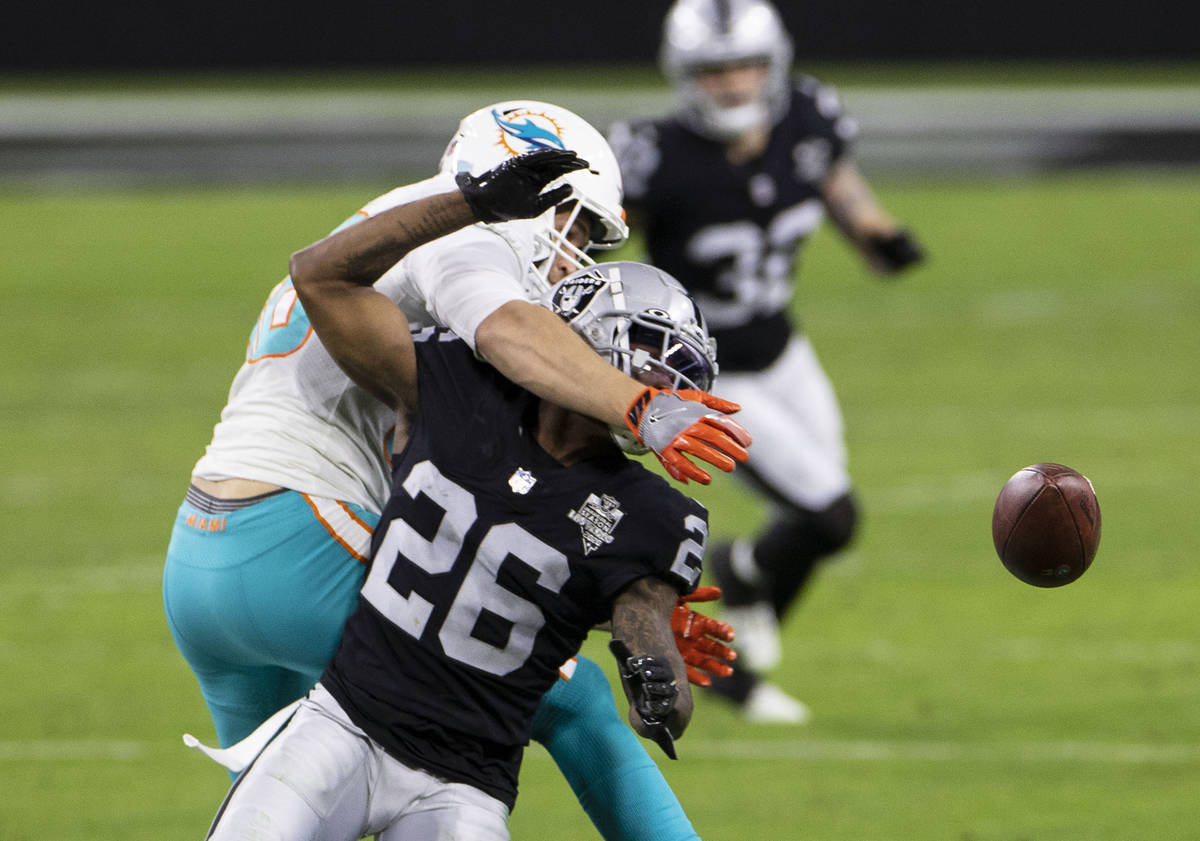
(641, 617)
(438, 216)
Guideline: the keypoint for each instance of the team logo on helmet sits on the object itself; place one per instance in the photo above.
(522, 130)
(575, 294)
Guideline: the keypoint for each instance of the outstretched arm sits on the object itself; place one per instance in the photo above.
(534, 348)
(858, 215)
(364, 331)
(652, 670)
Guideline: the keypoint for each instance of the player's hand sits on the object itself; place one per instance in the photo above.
(671, 423)
(896, 251)
(701, 638)
(513, 189)
(652, 691)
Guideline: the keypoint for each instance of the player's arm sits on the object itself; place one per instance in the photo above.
(652, 670)
(534, 348)
(363, 330)
(857, 213)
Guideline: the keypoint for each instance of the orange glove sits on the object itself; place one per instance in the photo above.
(671, 423)
(700, 638)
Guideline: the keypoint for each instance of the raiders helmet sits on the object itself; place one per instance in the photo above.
(709, 33)
(643, 321)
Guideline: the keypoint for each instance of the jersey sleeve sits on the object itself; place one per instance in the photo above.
(838, 127)
(465, 277)
(440, 183)
(666, 539)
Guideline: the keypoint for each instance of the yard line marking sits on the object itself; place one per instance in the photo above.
(895, 751)
(45, 750)
(830, 750)
(139, 574)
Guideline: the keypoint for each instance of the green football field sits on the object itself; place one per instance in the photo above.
(1055, 321)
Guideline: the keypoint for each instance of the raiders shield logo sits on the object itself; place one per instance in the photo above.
(571, 297)
(597, 518)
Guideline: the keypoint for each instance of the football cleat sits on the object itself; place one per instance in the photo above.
(768, 704)
(757, 629)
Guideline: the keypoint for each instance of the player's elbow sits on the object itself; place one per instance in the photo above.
(681, 716)
(300, 268)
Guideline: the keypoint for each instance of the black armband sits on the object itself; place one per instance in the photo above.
(896, 251)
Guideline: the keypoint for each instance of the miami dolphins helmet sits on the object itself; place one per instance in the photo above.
(497, 132)
(699, 34)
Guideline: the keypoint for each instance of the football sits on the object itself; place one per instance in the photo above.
(1046, 524)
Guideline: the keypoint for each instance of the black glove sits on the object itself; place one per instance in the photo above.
(651, 685)
(896, 251)
(513, 189)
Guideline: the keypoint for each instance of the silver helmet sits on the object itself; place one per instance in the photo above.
(643, 322)
(700, 34)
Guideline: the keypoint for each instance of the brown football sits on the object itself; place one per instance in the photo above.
(1046, 524)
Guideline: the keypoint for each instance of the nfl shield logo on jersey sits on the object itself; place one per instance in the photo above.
(522, 481)
(597, 518)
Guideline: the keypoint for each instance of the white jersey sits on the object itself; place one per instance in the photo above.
(294, 419)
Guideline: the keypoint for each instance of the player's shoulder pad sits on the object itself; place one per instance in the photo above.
(824, 100)
(669, 498)
(636, 145)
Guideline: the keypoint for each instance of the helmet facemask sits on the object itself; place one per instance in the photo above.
(553, 240)
(722, 121)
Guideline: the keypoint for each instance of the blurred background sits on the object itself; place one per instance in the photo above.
(228, 91)
(159, 162)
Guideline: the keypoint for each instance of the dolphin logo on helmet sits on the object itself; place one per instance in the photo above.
(493, 134)
(530, 132)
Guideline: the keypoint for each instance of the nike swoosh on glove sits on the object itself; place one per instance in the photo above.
(671, 423)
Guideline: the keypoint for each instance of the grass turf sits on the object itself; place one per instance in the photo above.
(1054, 321)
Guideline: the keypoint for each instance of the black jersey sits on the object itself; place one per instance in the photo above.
(730, 232)
(490, 563)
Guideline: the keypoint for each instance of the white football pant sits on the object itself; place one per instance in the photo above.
(323, 779)
(791, 410)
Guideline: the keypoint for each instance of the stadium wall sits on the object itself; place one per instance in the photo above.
(71, 35)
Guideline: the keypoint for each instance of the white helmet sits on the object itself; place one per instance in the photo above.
(497, 132)
(643, 321)
(709, 33)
